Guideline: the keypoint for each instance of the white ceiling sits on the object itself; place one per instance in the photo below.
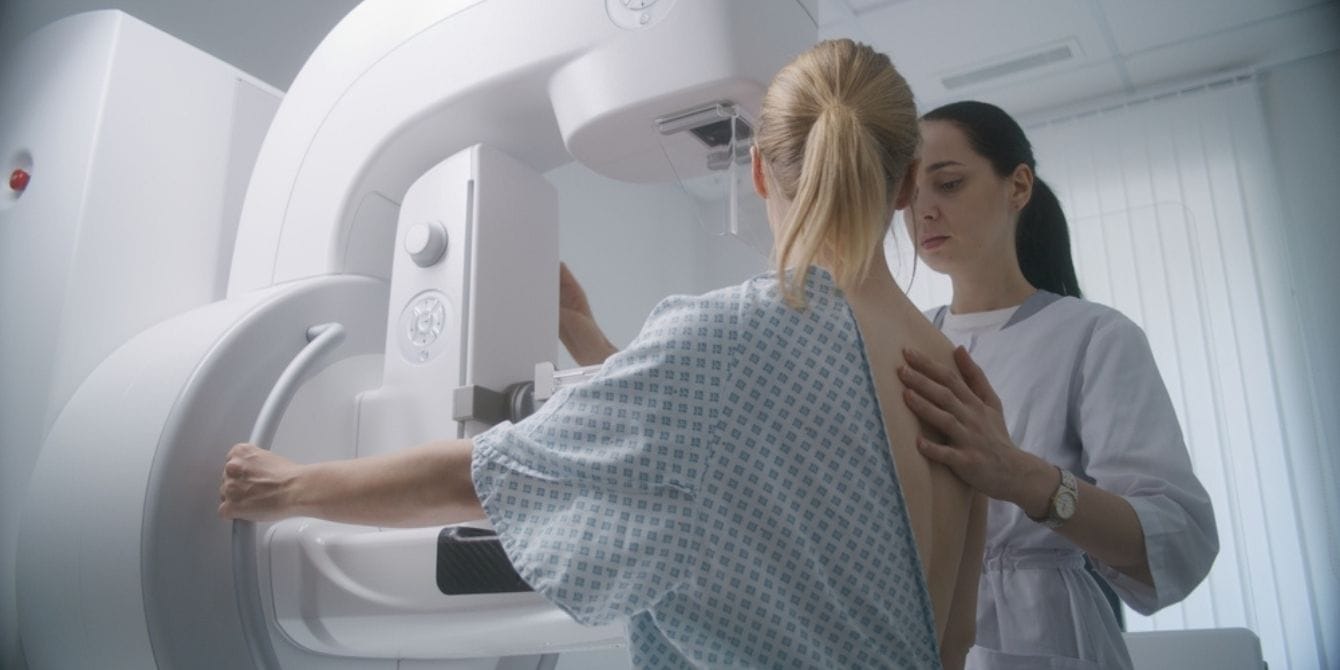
(1121, 46)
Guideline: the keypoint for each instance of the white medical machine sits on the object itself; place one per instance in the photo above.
(393, 279)
(126, 154)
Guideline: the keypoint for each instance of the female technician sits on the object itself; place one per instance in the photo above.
(1073, 438)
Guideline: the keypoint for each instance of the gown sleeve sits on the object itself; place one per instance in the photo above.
(595, 497)
(1133, 447)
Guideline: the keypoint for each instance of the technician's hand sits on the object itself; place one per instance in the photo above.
(968, 413)
(257, 485)
(577, 327)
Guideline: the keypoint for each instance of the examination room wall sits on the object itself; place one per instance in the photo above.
(1302, 112)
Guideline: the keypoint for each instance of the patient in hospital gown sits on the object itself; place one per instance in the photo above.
(726, 481)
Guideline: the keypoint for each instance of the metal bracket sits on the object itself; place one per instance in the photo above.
(477, 403)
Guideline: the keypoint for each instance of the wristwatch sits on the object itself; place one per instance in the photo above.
(1063, 502)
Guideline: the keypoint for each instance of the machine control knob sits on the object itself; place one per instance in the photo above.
(426, 243)
(638, 14)
(426, 320)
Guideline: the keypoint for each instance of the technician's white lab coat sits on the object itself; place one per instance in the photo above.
(1080, 389)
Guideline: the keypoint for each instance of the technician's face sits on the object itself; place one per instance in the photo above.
(961, 216)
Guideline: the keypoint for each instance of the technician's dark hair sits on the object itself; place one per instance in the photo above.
(1042, 239)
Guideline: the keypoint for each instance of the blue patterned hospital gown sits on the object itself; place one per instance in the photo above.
(726, 486)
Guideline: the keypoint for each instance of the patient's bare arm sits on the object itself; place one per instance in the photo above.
(423, 486)
(577, 327)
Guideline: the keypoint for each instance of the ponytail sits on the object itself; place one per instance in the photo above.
(837, 132)
(1042, 243)
(840, 201)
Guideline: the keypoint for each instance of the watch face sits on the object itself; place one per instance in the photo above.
(1065, 505)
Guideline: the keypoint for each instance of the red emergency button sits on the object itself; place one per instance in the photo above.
(18, 179)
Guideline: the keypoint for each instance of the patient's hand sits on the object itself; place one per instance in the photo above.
(577, 326)
(257, 485)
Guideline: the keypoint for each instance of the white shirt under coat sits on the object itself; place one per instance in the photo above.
(1080, 389)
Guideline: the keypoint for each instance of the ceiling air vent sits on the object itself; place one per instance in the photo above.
(1029, 61)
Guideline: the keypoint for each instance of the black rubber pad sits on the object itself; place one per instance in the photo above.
(471, 561)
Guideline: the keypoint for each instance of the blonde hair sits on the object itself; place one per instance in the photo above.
(837, 132)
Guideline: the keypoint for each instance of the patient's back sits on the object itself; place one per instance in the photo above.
(939, 505)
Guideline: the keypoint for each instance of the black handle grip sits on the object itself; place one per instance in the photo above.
(471, 561)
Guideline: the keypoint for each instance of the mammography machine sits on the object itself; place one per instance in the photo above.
(127, 153)
(394, 274)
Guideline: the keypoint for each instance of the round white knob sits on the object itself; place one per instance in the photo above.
(426, 243)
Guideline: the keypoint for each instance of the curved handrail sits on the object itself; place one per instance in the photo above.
(320, 340)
